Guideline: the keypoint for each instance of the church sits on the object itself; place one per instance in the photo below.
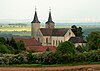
(51, 36)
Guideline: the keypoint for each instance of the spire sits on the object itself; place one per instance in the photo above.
(50, 17)
(35, 20)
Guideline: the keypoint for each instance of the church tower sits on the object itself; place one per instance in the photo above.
(50, 24)
(35, 25)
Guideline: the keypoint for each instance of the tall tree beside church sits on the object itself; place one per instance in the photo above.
(74, 26)
(66, 48)
(78, 30)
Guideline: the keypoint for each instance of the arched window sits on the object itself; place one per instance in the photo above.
(56, 42)
(47, 40)
(59, 41)
(53, 42)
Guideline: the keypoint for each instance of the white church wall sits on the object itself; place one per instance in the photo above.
(56, 40)
(80, 44)
(68, 35)
(46, 40)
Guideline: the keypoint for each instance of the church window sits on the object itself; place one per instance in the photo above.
(59, 41)
(69, 33)
(53, 42)
(56, 42)
(47, 40)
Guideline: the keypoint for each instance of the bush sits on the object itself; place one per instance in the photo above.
(66, 48)
(48, 58)
(79, 57)
(93, 56)
(4, 49)
(32, 58)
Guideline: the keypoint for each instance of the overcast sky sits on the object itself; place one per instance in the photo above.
(62, 10)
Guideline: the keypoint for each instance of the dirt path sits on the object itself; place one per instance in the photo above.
(61, 68)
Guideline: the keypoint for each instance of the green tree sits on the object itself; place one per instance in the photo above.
(78, 31)
(7, 41)
(48, 49)
(21, 45)
(13, 43)
(11, 49)
(93, 40)
(48, 58)
(74, 26)
(4, 49)
(2, 40)
(80, 49)
(66, 48)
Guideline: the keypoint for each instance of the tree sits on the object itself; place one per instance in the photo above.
(78, 31)
(2, 40)
(48, 49)
(79, 49)
(74, 27)
(21, 45)
(7, 41)
(93, 40)
(13, 43)
(66, 48)
(48, 58)
(4, 49)
(65, 52)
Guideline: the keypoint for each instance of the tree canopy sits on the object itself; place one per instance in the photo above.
(66, 48)
(93, 40)
(79, 32)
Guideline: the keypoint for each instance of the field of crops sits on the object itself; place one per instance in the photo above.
(8, 29)
(26, 30)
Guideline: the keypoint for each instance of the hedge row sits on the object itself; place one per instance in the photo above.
(49, 58)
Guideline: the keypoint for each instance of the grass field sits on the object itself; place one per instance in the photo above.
(53, 65)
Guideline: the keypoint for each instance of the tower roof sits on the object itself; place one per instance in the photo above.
(50, 17)
(35, 20)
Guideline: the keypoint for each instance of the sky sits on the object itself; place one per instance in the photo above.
(62, 10)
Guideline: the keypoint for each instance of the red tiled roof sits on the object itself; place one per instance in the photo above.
(41, 48)
(28, 41)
